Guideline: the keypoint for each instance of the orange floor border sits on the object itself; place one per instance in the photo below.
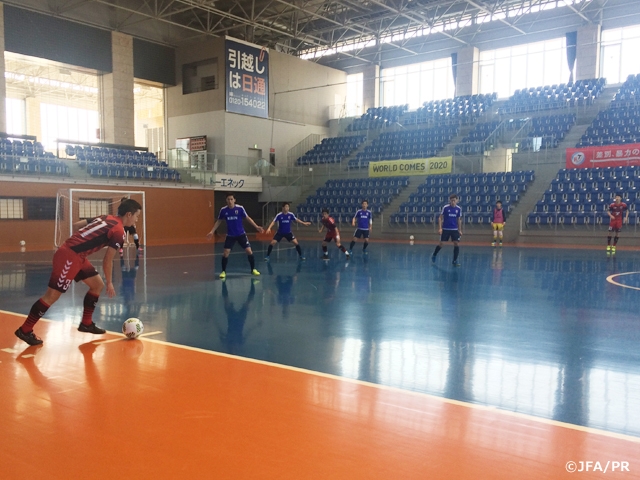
(80, 407)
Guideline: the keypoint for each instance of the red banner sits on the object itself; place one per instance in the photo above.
(604, 156)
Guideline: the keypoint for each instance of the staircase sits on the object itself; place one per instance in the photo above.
(394, 206)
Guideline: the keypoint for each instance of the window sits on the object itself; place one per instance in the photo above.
(16, 121)
(11, 208)
(91, 208)
(355, 94)
(506, 70)
(619, 47)
(148, 108)
(67, 123)
(200, 76)
(417, 83)
(41, 208)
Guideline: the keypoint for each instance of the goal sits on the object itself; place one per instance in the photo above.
(75, 204)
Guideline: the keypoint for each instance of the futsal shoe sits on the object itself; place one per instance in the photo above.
(266, 259)
(301, 258)
(325, 256)
(455, 263)
(91, 328)
(30, 338)
(608, 248)
(613, 250)
(493, 244)
(500, 244)
(255, 272)
(349, 252)
(433, 259)
(223, 275)
(348, 255)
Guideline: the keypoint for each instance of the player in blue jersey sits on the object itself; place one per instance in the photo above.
(284, 221)
(450, 227)
(234, 214)
(363, 222)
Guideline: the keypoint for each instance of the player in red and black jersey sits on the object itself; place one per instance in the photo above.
(70, 263)
(332, 234)
(617, 210)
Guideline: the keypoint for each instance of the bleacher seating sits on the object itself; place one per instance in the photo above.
(619, 124)
(344, 197)
(377, 117)
(464, 109)
(582, 196)
(550, 131)
(628, 94)
(580, 93)
(331, 150)
(421, 143)
(121, 163)
(477, 192)
(473, 142)
(26, 157)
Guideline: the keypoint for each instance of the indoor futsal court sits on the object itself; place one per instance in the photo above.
(385, 366)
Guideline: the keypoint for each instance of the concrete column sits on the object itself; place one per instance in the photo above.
(117, 93)
(3, 84)
(468, 67)
(34, 122)
(588, 52)
(371, 87)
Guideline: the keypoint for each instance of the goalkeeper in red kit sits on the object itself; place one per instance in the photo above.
(616, 211)
(70, 263)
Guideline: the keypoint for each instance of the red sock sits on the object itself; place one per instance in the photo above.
(38, 309)
(90, 302)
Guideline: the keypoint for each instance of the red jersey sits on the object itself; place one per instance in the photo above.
(330, 224)
(104, 231)
(616, 209)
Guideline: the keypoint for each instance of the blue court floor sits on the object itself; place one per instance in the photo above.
(530, 330)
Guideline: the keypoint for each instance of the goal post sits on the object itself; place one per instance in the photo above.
(75, 204)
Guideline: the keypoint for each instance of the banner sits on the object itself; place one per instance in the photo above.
(604, 156)
(414, 166)
(247, 78)
(235, 183)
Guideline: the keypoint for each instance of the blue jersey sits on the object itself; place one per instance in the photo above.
(450, 217)
(234, 217)
(363, 219)
(284, 222)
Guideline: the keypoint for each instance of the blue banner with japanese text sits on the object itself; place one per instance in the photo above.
(247, 75)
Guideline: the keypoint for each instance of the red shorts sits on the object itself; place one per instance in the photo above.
(615, 225)
(331, 236)
(67, 266)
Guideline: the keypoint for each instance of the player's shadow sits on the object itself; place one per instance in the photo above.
(234, 337)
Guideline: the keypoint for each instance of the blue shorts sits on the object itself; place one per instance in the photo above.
(229, 241)
(360, 233)
(288, 236)
(454, 235)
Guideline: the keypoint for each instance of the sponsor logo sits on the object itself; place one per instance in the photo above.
(578, 158)
(63, 282)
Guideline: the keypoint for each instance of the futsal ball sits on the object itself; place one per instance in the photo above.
(132, 328)
(410, 237)
(22, 243)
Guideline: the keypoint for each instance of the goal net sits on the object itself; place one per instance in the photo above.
(75, 204)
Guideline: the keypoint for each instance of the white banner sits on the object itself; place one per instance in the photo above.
(236, 183)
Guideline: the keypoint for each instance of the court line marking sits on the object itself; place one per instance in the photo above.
(122, 337)
(486, 408)
(611, 280)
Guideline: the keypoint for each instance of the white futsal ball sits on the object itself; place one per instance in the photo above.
(410, 237)
(22, 243)
(132, 328)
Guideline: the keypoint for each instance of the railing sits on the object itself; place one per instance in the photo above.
(596, 223)
(304, 146)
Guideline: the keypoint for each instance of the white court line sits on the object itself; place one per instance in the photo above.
(611, 280)
(486, 408)
(122, 337)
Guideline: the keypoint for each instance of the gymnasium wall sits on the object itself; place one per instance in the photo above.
(173, 215)
(302, 98)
